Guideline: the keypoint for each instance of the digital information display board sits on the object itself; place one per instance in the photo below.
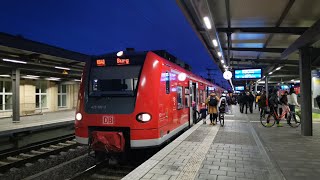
(239, 88)
(247, 74)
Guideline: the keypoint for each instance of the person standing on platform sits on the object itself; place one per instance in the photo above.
(240, 101)
(263, 103)
(245, 101)
(251, 100)
(257, 101)
(292, 101)
(212, 103)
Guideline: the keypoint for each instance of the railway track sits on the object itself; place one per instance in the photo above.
(19, 157)
(104, 170)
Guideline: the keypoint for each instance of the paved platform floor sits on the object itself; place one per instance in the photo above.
(242, 149)
(36, 121)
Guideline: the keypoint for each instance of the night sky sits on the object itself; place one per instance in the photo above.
(97, 27)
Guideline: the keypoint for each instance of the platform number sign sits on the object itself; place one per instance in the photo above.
(108, 120)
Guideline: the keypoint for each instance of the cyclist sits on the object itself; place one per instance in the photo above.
(292, 101)
(273, 104)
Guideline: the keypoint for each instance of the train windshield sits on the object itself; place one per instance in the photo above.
(114, 80)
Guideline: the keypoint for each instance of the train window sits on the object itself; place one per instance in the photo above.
(114, 80)
(179, 97)
(167, 82)
(201, 97)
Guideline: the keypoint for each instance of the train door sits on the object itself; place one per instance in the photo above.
(191, 92)
(194, 101)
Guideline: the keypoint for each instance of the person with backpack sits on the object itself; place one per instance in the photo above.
(263, 103)
(212, 103)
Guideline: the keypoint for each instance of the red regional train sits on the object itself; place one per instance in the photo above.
(129, 100)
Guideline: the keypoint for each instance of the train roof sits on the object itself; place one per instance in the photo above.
(162, 53)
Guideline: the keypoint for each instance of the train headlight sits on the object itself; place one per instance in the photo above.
(143, 117)
(78, 116)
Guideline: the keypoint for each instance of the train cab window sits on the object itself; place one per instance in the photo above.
(179, 97)
(114, 81)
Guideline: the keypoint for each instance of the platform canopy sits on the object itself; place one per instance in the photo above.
(36, 59)
(262, 34)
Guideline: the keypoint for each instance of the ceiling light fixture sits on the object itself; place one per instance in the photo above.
(120, 53)
(219, 54)
(4, 75)
(278, 68)
(63, 68)
(207, 22)
(222, 61)
(14, 61)
(215, 42)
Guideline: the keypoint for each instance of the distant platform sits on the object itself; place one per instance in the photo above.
(37, 122)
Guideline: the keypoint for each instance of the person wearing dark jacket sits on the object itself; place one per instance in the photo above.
(273, 104)
(263, 103)
(251, 100)
(240, 97)
(245, 101)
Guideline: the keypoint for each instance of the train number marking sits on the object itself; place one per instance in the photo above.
(108, 120)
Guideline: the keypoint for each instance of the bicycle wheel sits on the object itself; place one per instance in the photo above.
(267, 120)
(221, 119)
(294, 120)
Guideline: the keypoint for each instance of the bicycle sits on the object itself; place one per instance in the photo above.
(271, 118)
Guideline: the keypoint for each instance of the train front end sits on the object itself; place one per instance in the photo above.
(109, 117)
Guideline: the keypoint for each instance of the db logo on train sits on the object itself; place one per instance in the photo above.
(108, 120)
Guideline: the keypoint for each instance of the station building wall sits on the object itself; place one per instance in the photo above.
(39, 96)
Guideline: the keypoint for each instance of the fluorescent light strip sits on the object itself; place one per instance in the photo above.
(222, 61)
(215, 42)
(207, 22)
(64, 68)
(4, 75)
(53, 79)
(278, 68)
(14, 61)
(219, 54)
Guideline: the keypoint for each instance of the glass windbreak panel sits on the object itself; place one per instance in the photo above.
(114, 80)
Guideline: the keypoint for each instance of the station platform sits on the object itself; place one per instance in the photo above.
(37, 122)
(242, 149)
